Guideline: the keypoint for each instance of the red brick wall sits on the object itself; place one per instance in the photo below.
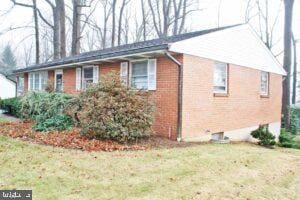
(69, 80)
(25, 82)
(244, 107)
(165, 96)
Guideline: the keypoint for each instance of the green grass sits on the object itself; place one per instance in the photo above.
(237, 171)
(3, 119)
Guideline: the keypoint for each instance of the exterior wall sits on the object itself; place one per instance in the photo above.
(239, 112)
(7, 88)
(165, 95)
(69, 80)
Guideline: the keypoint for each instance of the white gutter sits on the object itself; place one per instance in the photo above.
(90, 61)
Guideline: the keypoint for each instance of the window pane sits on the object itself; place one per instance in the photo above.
(44, 79)
(220, 77)
(36, 81)
(58, 82)
(31, 81)
(264, 83)
(139, 75)
(88, 73)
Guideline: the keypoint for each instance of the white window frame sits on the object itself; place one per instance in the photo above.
(264, 93)
(57, 72)
(20, 85)
(83, 79)
(226, 79)
(130, 73)
(33, 76)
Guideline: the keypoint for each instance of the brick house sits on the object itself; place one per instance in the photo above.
(216, 82)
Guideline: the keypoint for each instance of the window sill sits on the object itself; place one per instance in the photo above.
(264, 96)
(221, 95)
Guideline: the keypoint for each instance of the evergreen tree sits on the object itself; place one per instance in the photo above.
(8, 61)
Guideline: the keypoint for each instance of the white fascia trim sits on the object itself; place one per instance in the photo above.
(87, 62)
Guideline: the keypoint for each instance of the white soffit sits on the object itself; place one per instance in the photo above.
(238, 45)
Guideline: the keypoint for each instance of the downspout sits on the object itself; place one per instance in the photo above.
(179, 101)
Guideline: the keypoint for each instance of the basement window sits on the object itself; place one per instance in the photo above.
(217, 136)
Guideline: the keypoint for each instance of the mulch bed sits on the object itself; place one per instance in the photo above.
(71, 139)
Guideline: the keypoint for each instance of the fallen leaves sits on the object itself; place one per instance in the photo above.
(67, 139)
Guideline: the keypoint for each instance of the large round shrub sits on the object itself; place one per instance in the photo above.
(111, 110)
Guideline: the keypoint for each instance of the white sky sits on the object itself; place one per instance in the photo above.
(232, 12)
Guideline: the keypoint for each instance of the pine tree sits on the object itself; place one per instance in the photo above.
(8, 60)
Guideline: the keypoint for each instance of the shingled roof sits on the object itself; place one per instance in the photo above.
(123, 50)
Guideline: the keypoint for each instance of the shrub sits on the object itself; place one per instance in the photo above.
(265, 137)
(294, 120)
(110, 110)
(286, 139)
(58, 122)
(47, 110)
(50, 86)
(11, 105)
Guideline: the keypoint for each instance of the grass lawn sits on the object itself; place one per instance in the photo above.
(208, 171)
(3, 119)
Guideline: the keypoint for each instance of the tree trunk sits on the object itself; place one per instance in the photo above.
(144, 20)
(37, 32)
(56, 33)
(288, 4)
(184, 14)
(62, 28)
(76, 27)
(113, 30)
(120, 22)
(294, 95)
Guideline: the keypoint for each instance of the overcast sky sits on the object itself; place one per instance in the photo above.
(231, 12)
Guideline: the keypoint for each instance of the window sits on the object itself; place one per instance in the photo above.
(220, 77)
(58, 80)
(38, 80)
(20, 85)
(264, 83)
(139, 74)
(90, 75)
(143, 74)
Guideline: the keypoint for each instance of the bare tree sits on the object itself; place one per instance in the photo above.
(34, 8)
(113, 29)
(77, 8)
(164, 19)
(287, 59)
(259, 11)
(144, 22)
(124, 3)
(62, 21)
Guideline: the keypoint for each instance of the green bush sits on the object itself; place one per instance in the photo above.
(286, 139)
(47, 110)
(110, 110)
(58, 122)
(11, 105)
(265, 137)
(294, 121)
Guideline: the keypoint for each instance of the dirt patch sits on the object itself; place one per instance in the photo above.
(73, 140)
